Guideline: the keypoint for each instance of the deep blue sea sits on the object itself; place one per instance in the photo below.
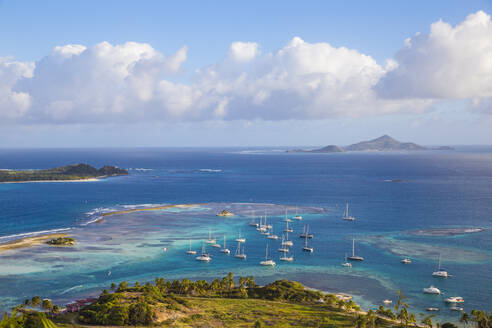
(439, 190)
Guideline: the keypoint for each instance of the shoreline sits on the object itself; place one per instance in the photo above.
(42, 181)
(163, 207)
(29, 241)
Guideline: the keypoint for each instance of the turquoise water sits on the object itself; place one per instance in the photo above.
(441, 190)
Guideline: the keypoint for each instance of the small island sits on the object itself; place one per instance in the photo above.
(75, 172)
(225, 213)
(61, 241)
(383, 143)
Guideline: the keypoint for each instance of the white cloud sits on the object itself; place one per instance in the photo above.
(448, 63)
(243, 51)
(13, 104)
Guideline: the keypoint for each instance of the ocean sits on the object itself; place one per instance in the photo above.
(407, 204)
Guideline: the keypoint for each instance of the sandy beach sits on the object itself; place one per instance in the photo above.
(149, 209)
(29, 241)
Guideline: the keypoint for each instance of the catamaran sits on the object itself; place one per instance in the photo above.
(406, 261)
(210, 239)
(271, 235)
(454, 299)
(440, 273)
(287, 242)
(283, 248)
(305, 233)
(253, 222)
(346, 215)
(190, 251)
(225, 249)
(239, 239)
(346, 263)
(354, 257)
(239, 254)
(287, 229)
(267, 226)
(261, 227)
(216, 245)
(297, 216)
(286, 219)
(267, 262)
(204, 257)
(306, 248)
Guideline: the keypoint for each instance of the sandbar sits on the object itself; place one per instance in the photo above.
(29, 241)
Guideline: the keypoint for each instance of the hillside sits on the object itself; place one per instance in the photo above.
(383, 143)
(69, 172)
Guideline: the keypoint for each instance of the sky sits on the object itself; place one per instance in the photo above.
(250, 73)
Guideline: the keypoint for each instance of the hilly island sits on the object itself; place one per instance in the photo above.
(383, 143)
(74, 172)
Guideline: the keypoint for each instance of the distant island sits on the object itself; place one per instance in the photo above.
(61, 241)
(383, 143)
(225, 213)
(75, 172)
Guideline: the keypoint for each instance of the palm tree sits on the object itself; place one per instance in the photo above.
(360, 321)
(371, 318)
(465, 318)
(427, 320)
(411, 319)
(403, 316)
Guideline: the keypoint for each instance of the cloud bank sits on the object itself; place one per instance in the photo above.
(134, 82)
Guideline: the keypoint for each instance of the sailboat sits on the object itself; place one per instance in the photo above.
(297, 216)
(239, 254)
(286, 219)
(271, 235)
(267, 226)
(440, 273)
(267, 262)
(287, 229)
(225, 249)
(286, 258)
(204, 257)
(262, 226)
(346, 215)
(253, 222)
(346, 263)
(306, 248)
(354, 257)
(305, 233)
(190, 251)
(210, 239)
(282, 248)
(239, 239)
(287, 242)
(216, 245)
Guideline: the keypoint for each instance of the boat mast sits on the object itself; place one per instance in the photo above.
(353, 247)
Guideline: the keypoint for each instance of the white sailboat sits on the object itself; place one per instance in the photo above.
(440, 273)
(210, 239)
(346, 215)
(346, 263)
(239, 254)
(204, 257)
(225, 249)
(354, 257)
(283, 248)
(287, 229)
(239, 239)
(216, 245)
(271, 235)
(253, 222)
(190, 251)
(297, 216)
(286, 219)
(287, 242)
(406, 260)
(262, 226)
(306, 248)
(267, 226)
(267, 262)
(286, 258)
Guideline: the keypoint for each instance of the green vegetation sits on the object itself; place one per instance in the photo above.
(62, 241)
(70, 172)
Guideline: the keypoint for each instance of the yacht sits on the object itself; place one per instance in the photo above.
(216, 245)
(454, 299)
(432, 290)
(440, 273)
(287, 229)
(286, 219)
(346, 215)
(286, 258)
(267, 262)
(225, 249)
(239, 239)
(282, 248)
(271, 235)
(239, 254)
(204, 257)
(346, 263)
(432, 309)
(406, 261)
(306, 248)
(297, 216)
(190, 251)
(253, 222)
(387, 302)
(210, 239)
(354, 257)
(305, 233)
(287, 242)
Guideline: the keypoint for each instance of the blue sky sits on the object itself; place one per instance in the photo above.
(30, 30)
